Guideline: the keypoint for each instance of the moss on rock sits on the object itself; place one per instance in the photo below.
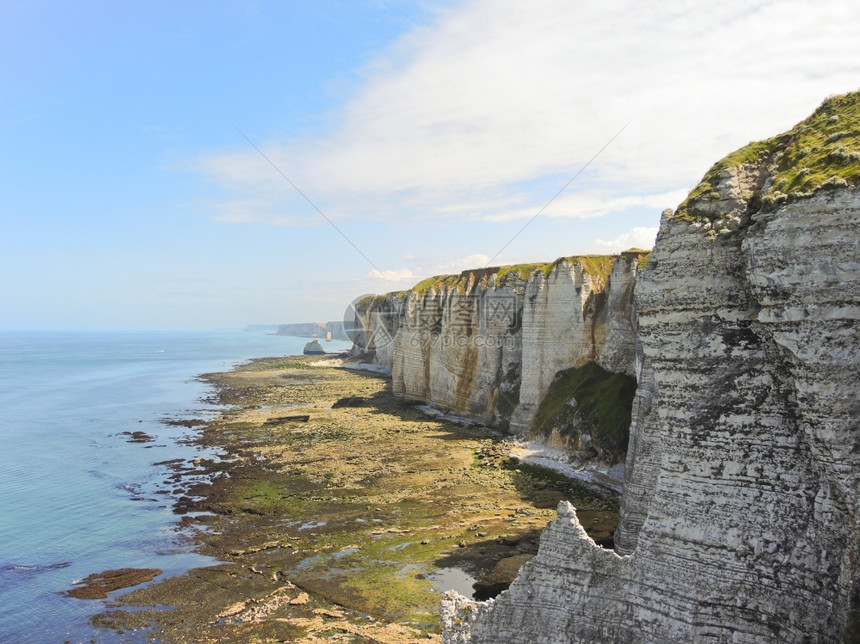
(589, 400)
(821, 152)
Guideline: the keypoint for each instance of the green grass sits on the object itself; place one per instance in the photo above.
(266, 497)
(822, 152)
(598, 266)
(641, 256)
(523, 271)
(604, 403)
(441, 281)
(274, 364)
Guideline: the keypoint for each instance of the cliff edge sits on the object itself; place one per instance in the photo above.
(739, 515)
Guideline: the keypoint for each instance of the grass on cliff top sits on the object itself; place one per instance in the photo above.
(604, 402)
(641, 255)
(821, 152)
(598, 266)
(364, 302)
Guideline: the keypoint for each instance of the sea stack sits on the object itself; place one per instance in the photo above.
(314, 348)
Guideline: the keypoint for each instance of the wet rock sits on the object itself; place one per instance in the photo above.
(294, 418)
(138, 437)
(98, 585)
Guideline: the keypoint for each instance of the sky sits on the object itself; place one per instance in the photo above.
(208, 165)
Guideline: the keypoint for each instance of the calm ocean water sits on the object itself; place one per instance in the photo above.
(76, 497)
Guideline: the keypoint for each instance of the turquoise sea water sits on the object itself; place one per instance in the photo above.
(76, 496)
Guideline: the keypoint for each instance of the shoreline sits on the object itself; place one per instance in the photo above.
(336, 509)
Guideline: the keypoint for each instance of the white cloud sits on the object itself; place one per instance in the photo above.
(397, 275)
(462, 263)
(590, 205)
(486, 112)
(640, 237)
(417, 273)
(252, 210)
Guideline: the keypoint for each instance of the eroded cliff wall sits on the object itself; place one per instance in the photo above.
(488, 343)
(739, 516)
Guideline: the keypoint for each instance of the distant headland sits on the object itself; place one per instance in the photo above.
(305, 330)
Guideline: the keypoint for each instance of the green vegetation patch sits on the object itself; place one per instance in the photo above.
(598, 266)
(641, 256)
(820, 152)
(602, 408)
(275, 364)
(394, 591)
(522, 272)
(438, 282)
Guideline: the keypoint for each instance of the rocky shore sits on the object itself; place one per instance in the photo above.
(340, 514)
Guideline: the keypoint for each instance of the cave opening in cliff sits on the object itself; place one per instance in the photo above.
(587, 409)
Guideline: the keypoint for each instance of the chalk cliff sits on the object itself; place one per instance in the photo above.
(739, 515)
(488, 344)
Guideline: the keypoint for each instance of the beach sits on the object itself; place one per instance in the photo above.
(340, 514)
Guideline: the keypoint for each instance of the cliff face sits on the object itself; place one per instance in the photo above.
(739, 516)
(487, 344)
(570, 319)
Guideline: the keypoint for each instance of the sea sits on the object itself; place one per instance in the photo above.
(78, 495)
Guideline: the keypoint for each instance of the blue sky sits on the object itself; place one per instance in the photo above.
(428, 132)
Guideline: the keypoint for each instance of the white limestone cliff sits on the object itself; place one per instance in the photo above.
(569, 319)
(739, 515)
(487, 344)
